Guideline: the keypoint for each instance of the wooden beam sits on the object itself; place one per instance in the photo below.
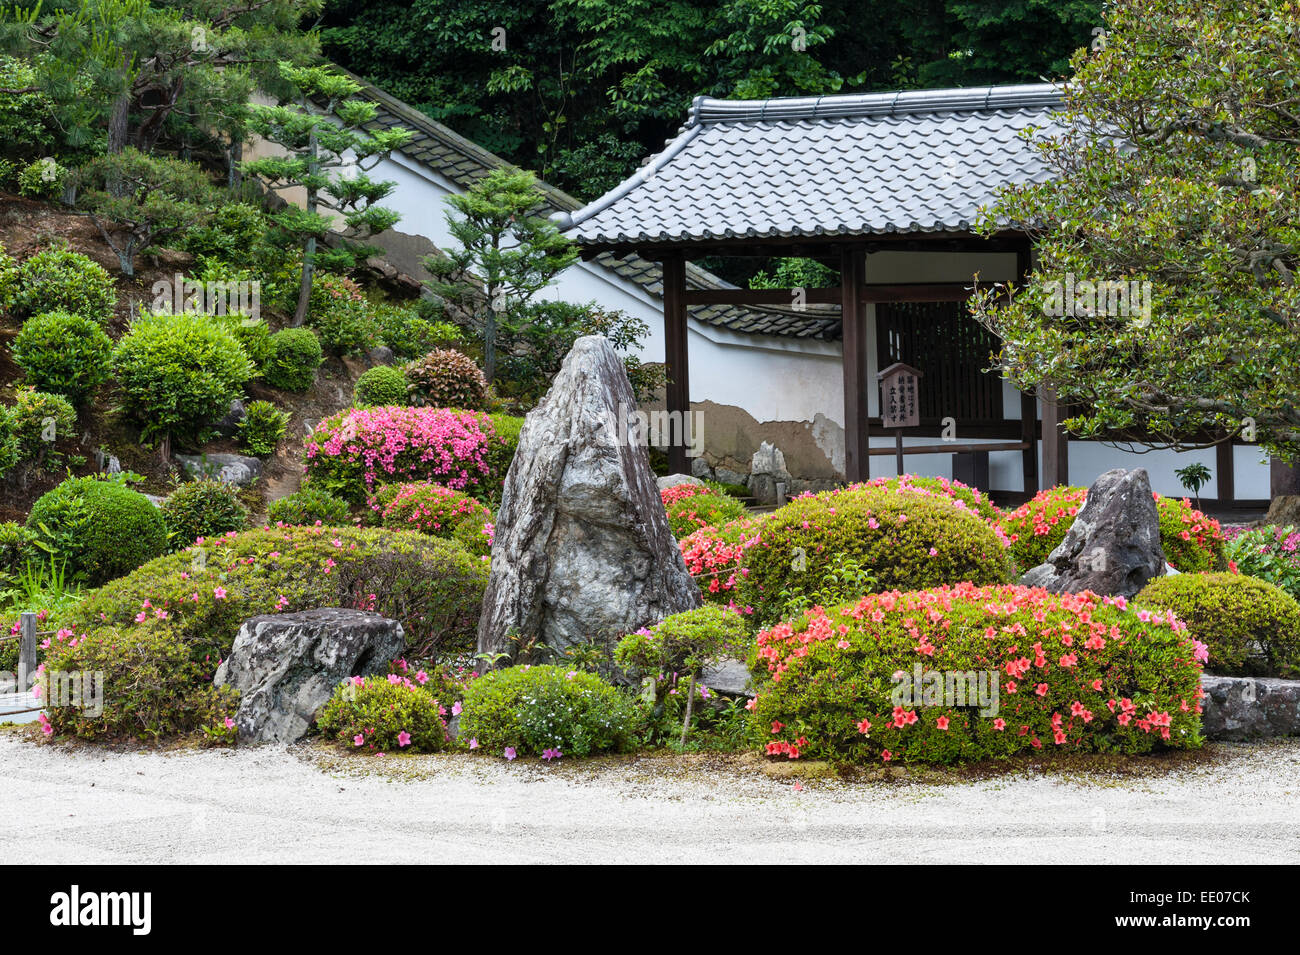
(907, 292)
(857, 434)
(1224, 473)
(1056, 443)
(1028, 404)
(677, 366)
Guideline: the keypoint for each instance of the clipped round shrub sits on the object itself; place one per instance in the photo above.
(431, 586)
(969, 673)
(356, 450)
(1251, 627)
(384, 714)
(309, 505)
(255, 337)
(101, 528)
(153, 687)
(446, 378)
(179, 373)
(262, 427)
(1191, 541)
(295, 356)
(535, 709)
(60, 280)
(903, 539)
(63, 354)
(963, 495)
(435, 510)
(203, 508)
(714, 557)
(381, 385)
(692, 506)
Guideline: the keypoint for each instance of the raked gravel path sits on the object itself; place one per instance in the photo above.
(76, 804)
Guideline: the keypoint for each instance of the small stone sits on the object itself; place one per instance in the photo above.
(1242, 708)
(672, 480)
(700, 469)
(381, 355)
(229, 425)
(728, 678)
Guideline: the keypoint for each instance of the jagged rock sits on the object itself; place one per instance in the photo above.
(229, 425)
(1113, 546)
(1239, 708)
(582, 547)
(236, 469)
(287, 665)
(727, 476)
(672, 480)
(766, 471)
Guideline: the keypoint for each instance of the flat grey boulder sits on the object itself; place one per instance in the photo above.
(672, 480)
(1241, 708)
(1113, 546)
(235, 469)
(582, 551)
(285, 666)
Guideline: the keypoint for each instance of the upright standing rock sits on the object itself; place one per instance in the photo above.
(1113, 546)
(582, 550)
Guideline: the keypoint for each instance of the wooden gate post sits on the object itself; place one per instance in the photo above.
(27, 645)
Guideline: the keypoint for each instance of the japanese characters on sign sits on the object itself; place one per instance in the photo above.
(899, 398)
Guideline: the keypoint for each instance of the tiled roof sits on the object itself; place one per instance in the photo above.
(870, 164)
(464, 162)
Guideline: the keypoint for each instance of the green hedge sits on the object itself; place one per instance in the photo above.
(1074, 673)
(1251, 627)
(101, 528)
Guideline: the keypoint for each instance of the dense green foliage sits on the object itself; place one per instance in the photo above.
(692, 506)
(100, 528)
(381, 385)
(1198, 213)
(1251, 627)
(581, 90)
(60, 280)
(30, 429)
(445, 378)
(533, 709)
(1269, 553)
(262, 427)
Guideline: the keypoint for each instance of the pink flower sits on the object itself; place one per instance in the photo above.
(358, 740)
(230, 724)
(510, 753)
(219, 593)
(421, 678)
(473, 743)
(403, 738)
(455, 708)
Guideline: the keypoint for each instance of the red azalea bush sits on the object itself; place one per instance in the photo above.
(358, 449)
(714, 556)
(1192, 542)
(437, 511)
(1074, 672)
(692, 506)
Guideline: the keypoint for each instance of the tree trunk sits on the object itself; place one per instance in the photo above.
(309, 247)
(490, 344)
(117, 124)
(690, 710)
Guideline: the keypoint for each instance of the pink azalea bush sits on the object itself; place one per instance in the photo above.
(357, 450)
(714, 557)
(692, 506)
(437, 511)
(1074, 673)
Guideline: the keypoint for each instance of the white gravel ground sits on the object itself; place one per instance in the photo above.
(76, 804)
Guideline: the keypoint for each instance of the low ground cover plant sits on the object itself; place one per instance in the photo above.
(1003, 670)
(1252, 628)
(309, 505)
(1268, 553)
(545, 711)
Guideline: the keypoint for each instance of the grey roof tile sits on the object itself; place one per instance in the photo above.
(874, 164)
